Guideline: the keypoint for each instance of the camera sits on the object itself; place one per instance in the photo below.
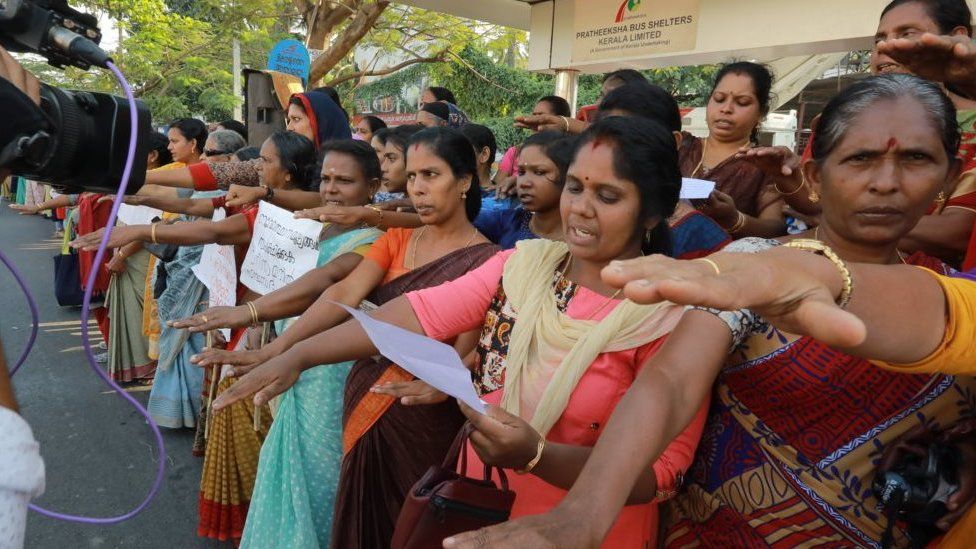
(916, 488)
(81, 140)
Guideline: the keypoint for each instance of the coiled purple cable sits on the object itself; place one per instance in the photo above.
(86, 304)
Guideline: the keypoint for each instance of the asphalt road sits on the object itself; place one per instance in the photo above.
(99, 452)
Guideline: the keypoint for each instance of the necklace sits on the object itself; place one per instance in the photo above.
(609, 300)
(421, 233)
(816, 236)
(706, 169)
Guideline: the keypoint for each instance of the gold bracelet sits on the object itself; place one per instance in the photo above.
(535, 461)
(254, 313)
(798, 188)
(566, 121)
(714, 265)
(378, 210)
(152, 234)
(824, 250)
(739, 223)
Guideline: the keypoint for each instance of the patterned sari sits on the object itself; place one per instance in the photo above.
(794, 436)
(298, 470)
(387, 446)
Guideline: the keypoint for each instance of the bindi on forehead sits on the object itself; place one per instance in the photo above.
(892, 143)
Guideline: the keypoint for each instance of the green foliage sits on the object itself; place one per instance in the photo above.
(177, 54)
(506, 134)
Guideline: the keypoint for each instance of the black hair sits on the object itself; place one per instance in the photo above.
(947, 14)
(236, 126)
(762, 84)
(442, 94)
(558, 148)
(192, 130)
(481, 137)
(160, 143)
(400, 135)
(360, 151)
(627, 76)
(646, 100)
(560, 107)
(438, 109)
(452, 147)
(382, 134)
(333, 95)
(248, 153)
(297, 156)
(375, 123)
(644, 153)
(844, 108)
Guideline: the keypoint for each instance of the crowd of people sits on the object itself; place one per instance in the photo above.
(658, 371)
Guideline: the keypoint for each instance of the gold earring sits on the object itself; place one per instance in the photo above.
(941, 197)
(464, 195)
(814, 197)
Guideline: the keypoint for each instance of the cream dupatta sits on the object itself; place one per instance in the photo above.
(549, 351)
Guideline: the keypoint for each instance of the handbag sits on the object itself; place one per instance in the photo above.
(67, 278)
(443, 503)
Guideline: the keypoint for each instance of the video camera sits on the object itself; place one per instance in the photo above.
(81, 141)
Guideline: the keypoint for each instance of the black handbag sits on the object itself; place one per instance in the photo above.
(67, 281)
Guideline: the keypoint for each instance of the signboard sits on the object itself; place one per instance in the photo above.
(633, 28)
(282, 249)
(290, 57)
(218, 272)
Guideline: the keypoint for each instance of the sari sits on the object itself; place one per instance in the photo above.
(174, 401)
(794, 437)
(128, 349)
(748, 186)
(298, 469)
(694, 234)
(387, 447)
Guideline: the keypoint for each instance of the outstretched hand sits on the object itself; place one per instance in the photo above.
(120, 236)
(778, 284)
(241, 195)
(214, 318)
(947, 59)
(410, 393)
(264, 382)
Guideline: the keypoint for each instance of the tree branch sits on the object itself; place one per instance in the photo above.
(345, 42)
(439, 58)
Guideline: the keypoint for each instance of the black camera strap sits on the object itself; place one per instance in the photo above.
(24, 123)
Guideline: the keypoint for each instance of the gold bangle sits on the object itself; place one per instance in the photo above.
(254, 313)
(798, 188)
(565, 121)
(712, 263)
(535, 461)
(739, 223)
(378, 210)
(819, 248)
(152, 234)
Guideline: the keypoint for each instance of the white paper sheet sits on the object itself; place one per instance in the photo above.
(218, 272)
(137, 215)
(282, 249)
(432, 361)
(693, 189)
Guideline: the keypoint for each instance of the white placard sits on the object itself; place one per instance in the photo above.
(282, 249)
(693, 189)
(137, 215)
(434, 362)
(218, 272)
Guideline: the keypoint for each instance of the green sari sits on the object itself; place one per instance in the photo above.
(298, 471)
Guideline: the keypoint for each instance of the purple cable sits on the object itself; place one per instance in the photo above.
(160, 470)
(32, 305)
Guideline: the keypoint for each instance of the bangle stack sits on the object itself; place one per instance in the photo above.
(819, 248)
(252, 308)
(794, 191)
(739, 223)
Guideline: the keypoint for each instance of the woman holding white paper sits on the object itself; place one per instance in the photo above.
(557, 347)
(388, 447)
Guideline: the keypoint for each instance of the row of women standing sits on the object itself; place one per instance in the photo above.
(556, 377)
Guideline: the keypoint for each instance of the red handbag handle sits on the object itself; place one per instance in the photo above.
(457, 451)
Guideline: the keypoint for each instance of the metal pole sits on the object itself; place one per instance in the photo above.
(566, 84)
(238, 91)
